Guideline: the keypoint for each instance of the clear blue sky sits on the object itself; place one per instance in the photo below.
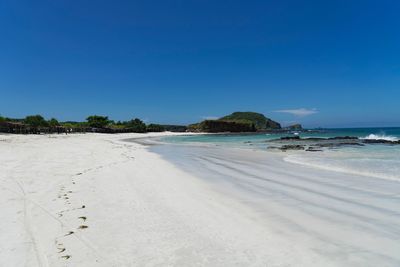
(321, 63)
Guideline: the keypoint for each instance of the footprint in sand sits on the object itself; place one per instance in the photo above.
(61, 212)
(82, 218)
(61, 249)
(69, 233)
(66, 257)
(83, 227)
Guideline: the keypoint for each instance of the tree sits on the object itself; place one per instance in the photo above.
(2, 119)
(54, 122)
(97, 121)
(36, 121)
(155, 128)
(136, 125)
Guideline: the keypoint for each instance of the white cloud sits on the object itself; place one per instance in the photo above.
(300, 112)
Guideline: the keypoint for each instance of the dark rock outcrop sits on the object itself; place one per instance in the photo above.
(216, 126)
(294, 127)
(292, 147)
(290, 138)
(236, 122)
(380, 141)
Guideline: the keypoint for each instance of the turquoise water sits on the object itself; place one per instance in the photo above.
(259, 139)
(377, 160)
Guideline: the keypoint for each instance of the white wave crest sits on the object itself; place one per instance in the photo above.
(381, 137)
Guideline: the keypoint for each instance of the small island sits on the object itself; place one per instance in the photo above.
(237, 122)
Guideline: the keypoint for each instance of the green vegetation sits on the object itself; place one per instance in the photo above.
(97, 121)
(236, 122)
(36, 121)
(175, 128)
(37, 124)
(258, 120)
(155, 128)
(136, 125)
(216, 126)
(53, 122)
(74, 126)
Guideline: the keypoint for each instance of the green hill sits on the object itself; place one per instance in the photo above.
(257, 119)
(236, 122)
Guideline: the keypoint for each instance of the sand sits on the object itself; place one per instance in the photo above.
(95, 200)
(350, 220)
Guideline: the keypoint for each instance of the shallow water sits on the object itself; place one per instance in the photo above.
(235, 140)
(377, 160)
(381, 161)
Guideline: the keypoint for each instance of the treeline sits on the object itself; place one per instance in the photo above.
(101, 124)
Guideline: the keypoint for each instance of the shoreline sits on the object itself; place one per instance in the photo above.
(320, 209)
(128, 206)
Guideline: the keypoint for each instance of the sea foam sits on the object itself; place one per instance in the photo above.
(381, 137)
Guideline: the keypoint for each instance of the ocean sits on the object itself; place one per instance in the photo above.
(380, 160)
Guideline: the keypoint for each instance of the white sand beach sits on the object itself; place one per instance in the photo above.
(95, 200)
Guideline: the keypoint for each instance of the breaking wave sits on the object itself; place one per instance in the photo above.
(381, 137)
